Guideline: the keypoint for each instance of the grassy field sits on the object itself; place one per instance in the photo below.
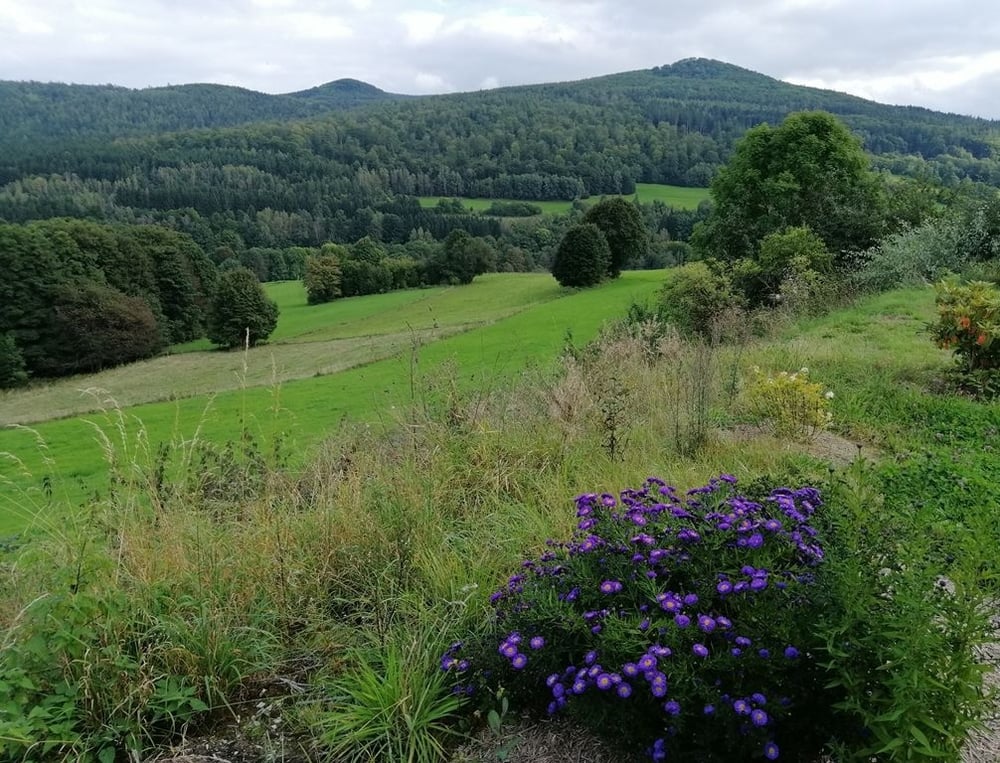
(647, 193)
(307, 409)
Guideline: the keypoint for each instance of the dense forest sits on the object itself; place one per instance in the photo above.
(348, 174)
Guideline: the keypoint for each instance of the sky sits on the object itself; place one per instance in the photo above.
(915, 52)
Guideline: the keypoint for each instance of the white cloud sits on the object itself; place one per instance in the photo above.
(909, 51)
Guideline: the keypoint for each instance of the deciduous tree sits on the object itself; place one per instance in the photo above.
(241, 313)
(583, 256)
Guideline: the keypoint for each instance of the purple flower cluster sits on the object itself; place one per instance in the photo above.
(693, 577)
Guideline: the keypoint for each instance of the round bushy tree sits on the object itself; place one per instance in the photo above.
(322, 278)
(583, 256)
(241, 312)
(809, 171)
(622, 226)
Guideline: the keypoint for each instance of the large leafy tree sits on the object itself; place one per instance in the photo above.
(322, 278)
(241, 313)
(583, 256)
(621, 223)
(808, 172)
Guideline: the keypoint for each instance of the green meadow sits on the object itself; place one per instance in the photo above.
(506, 323)
(647, 193)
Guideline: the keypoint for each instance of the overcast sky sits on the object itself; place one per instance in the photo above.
(944, 56)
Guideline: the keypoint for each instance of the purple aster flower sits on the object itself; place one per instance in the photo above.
(644, 625)
(611, 586)
(623, 690)
(736, 651)
(724, 587)
(682, 621)
(604, 682)
(764, 653)
(644, 539)
(755, 541)
(758, 698)
(691, 599)
(658, 686)
(772, 525)
(447, 663)
(770, 751)
(758, 717)
(728, 478)
(514, 638)
(552, 708)
(579, 686)
(673, 707)
(558, 690)
(709, 710)
(508, 650)
(791, 652)
(537, 642)
(590, 657)
(758, 584)
(630, 669)
(586, 524)
(552, 680)
(742, 641)
(741, 707)
(518, 661)
(700, 650)
(706, 623)
(724, 622)
(463, 665)
(647, 662)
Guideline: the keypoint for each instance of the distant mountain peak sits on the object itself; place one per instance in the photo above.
(704, 68)
(342, 87)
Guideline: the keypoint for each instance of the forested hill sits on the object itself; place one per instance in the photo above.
(33, 111)
(354, 172)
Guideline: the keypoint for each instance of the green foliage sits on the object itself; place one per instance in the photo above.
(622, 226)
(97, 327)
(969, 323)
(583, 257)
(322, 278)
(12, 370)
(393, 703)
(914, 256)
(115, 268)
(512, 209)
(795, 406)
(462, 258)
(808, 172)
(694, 296)
(241, 313)
(901, 628)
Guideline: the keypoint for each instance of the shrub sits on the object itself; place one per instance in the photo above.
(241, 312)
(912, 257)
(694, 296)
(583, 257)
(969, 323)
(676, 621)
(795, 406)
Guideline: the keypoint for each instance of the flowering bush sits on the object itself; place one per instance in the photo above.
(969, 323)
(677, 621)
(795, 406)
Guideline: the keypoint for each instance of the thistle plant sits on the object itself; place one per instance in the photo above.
(678, 620)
